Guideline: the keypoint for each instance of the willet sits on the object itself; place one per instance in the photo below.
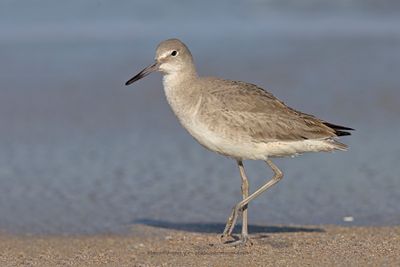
(239, 120)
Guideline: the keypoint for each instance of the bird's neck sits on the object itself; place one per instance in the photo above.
(179, 91)
(178, 81)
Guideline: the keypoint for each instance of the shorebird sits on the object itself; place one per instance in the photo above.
(238, 120)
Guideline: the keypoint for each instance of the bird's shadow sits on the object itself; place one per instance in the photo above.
(219, 227)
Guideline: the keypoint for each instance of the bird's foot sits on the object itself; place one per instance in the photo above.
(227, 239)
(243, 241)
(230, 224)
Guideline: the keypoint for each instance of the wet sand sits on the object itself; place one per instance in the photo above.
(146, 245)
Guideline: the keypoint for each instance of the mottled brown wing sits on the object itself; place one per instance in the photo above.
(243, 107)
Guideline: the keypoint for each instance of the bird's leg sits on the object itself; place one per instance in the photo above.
(245, 194)
(240, 206)
(244, 239)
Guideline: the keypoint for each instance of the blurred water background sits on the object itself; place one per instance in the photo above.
(81, 153)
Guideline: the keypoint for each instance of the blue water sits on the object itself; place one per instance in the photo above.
(81, 153)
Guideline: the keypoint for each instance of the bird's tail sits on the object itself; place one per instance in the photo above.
(337, 145)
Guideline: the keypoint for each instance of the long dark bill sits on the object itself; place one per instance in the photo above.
(146, 71)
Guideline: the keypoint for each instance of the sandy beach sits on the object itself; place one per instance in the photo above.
(154, 246)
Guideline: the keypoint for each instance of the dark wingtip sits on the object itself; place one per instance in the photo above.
(339, 130)
(338, 127)
(342, 133)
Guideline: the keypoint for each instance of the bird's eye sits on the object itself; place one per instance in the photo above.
(174, 53)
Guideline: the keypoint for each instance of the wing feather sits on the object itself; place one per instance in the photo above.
(242, 107)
